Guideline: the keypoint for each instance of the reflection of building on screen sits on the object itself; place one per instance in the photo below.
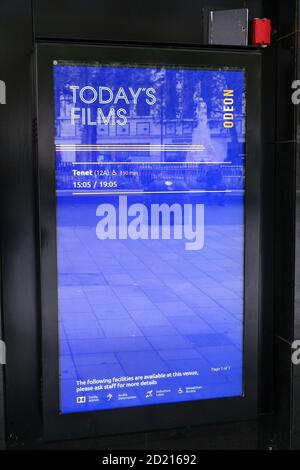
(191, 114)
(187, 116)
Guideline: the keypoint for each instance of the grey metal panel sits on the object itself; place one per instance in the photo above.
(228, 27)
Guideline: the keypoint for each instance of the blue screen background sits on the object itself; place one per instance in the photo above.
(146, 321)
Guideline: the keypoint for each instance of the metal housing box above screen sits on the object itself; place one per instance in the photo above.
(228, 27)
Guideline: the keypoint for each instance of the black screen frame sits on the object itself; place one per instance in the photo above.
(162, 416)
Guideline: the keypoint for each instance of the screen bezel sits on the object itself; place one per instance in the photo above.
(162, 416)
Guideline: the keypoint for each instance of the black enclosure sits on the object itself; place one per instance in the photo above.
(162, 416)
(32, 33)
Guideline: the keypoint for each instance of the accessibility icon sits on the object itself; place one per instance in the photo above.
(81, 400)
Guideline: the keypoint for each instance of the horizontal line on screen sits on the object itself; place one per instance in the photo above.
(132, 148)
(87, 193)
(122, 150)
(151, 163)
(130, 145)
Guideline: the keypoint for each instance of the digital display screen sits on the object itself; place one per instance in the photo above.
(150, 183)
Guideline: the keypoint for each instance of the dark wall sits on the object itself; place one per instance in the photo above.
(18, 222)
(295, 389)
(285, 143)
(2, 417)
(132, 21)
(22, 22)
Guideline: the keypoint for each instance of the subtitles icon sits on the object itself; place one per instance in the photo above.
(81, 400)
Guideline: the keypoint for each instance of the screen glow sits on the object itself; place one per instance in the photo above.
(150, 234)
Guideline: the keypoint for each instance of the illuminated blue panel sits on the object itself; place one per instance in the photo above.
(150, 234)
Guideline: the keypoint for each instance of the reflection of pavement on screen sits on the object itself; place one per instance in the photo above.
(132, 307)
